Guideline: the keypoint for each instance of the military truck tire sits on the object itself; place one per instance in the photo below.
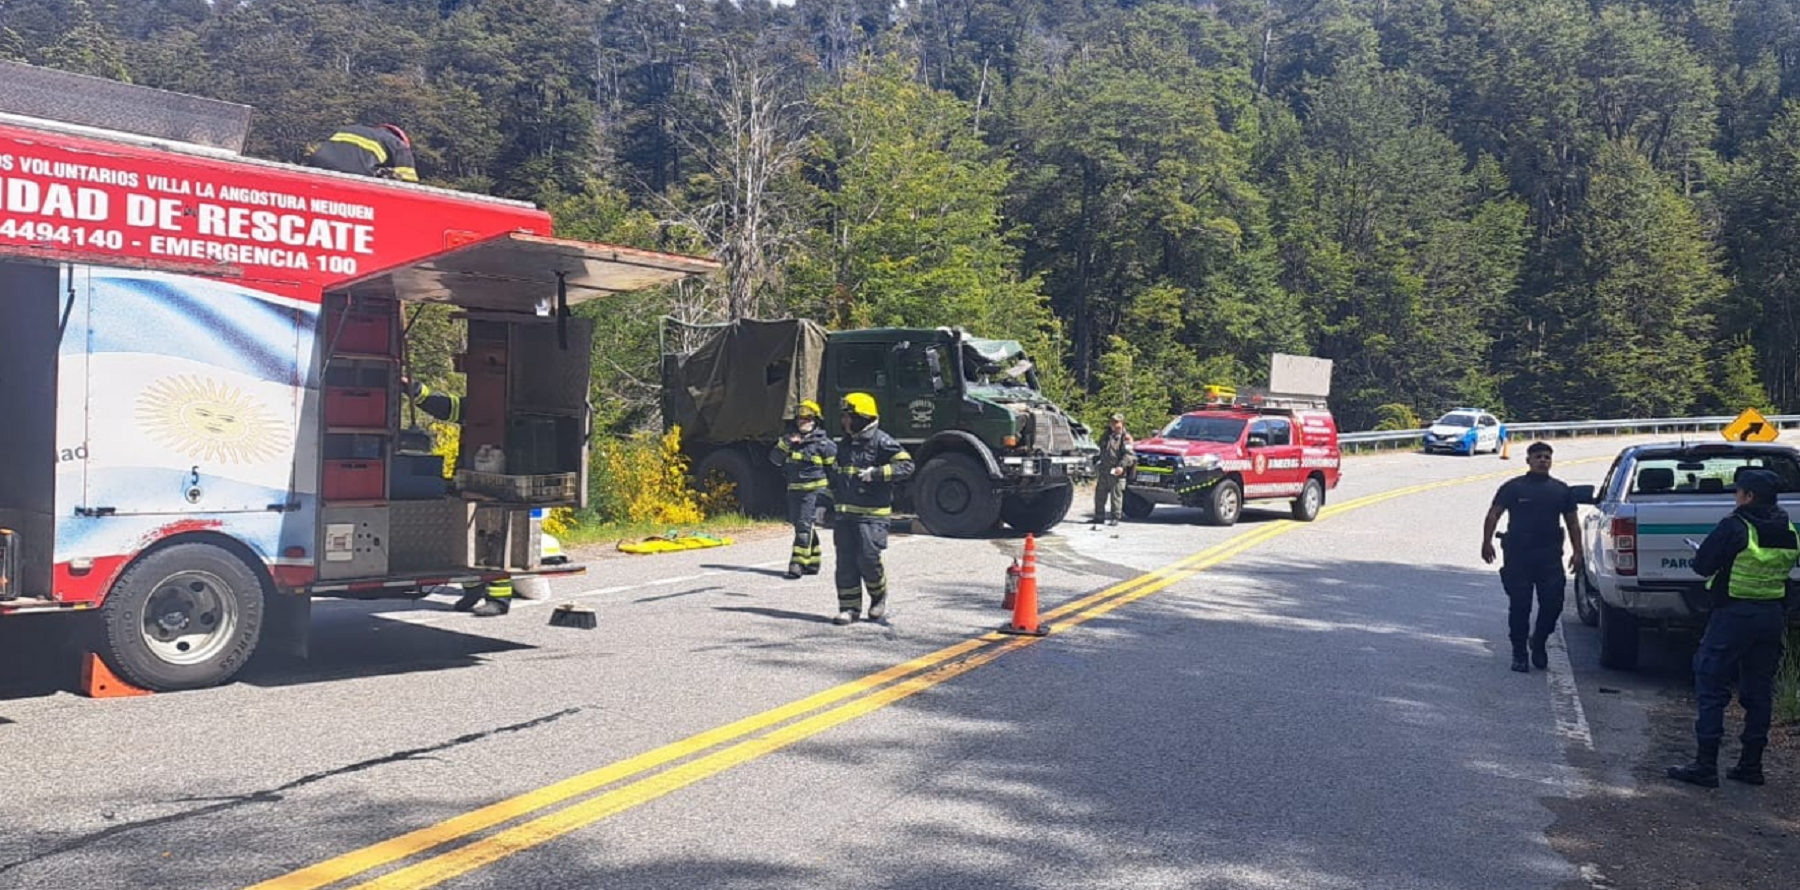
(730, 465)
(187, 616)
(1311, 500)
(1618, 638)
(1037, 511)
(1223, 504)
(955, 498)
(1137, 506)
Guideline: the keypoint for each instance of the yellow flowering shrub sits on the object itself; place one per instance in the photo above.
(643, 478)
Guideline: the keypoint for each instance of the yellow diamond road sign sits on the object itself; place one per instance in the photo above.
(1751, 426)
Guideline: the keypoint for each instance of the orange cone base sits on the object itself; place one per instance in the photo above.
(98, 680)
(1015, 630)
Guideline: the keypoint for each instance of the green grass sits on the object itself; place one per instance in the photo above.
(590, 530)
(1787, 683)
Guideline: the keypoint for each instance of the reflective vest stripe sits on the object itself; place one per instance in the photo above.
(406, 174)
(364, 143)
(807, 486)
(864, 511)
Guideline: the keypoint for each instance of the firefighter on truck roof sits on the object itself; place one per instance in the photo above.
(383, 151)
(483, 600)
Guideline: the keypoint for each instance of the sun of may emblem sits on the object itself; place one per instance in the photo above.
(207, 420)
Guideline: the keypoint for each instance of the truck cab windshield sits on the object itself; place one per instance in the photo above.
(1205, 429)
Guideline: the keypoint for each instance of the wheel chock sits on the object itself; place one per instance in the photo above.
(98, 680)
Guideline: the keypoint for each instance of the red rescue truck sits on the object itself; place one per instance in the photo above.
(200, 361)
(1239, 448)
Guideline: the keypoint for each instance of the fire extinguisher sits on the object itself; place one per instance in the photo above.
(1012, 583)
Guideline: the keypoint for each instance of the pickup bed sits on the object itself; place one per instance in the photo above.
(1636, 530)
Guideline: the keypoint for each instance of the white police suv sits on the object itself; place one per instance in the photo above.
(1465, 431)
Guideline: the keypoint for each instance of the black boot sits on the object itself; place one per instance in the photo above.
(1704, 771)
(1519, 659)
(1749, 765)
(471, 596)
(1540, 658)
(795, 570)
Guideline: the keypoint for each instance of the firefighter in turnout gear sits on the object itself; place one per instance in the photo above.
(805, 456)
(869, 462)
(382, 151)
(483, 600)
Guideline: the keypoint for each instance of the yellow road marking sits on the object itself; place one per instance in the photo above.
(916, 675)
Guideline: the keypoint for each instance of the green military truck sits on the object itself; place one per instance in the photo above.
(990, 447)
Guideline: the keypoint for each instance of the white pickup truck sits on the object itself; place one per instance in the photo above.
(1636, 530)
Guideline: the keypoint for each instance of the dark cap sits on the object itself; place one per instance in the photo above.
(1761, 484)
(1539, 446)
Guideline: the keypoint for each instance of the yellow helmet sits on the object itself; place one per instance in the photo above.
(808, 408)
(860, 403)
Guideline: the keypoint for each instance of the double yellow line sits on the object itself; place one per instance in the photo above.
(841, 704)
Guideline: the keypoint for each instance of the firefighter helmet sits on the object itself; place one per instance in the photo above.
(808, 408)
(401, 134)
(860, 403)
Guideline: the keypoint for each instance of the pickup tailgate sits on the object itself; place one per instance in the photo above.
(1665, 525)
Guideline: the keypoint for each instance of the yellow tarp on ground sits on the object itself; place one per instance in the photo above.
(672, 542)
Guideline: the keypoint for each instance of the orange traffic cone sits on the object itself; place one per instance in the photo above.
(1025, 604)
(1505, 448)
(98, 680)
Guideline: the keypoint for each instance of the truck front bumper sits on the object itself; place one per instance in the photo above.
(1180, 487)
(1035, 471)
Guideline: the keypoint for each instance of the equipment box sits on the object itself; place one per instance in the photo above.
(347, 406)
(353, 480)
(366, 329)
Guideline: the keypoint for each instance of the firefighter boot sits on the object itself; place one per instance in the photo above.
(1749, 765)
(1519, 664)
(471, 595)
(877, 600)
(1704, 771)
(795, 570)
(491, 607)
(849, 601)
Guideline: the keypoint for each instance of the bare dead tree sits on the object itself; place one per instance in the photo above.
(750, 148)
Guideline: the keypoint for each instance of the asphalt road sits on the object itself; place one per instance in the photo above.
(1273, 705)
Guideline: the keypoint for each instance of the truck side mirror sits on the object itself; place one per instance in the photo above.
(1583, 494)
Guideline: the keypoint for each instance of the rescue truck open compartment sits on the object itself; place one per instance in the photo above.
(28, 350)
(525, 363)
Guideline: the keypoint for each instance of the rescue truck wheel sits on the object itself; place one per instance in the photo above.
(1137, 506)
(187, 616)
(1038, 511)
(1618, 639)
(955, 498)
(1310, 501)
(1224, 503)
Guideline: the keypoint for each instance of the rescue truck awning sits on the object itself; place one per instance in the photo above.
(515, 271)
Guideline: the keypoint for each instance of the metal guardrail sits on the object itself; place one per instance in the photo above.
(1380, 439)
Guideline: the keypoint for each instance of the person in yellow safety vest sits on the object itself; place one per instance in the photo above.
(869, 462)
(1746, 561)
(482, 600)
(383, 151)
(805, 456)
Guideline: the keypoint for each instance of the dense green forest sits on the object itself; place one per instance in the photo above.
(1553, 208)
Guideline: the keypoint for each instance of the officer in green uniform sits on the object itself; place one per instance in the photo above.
(482, 600)
(804, 457)
(1746, 561)
(869, 462)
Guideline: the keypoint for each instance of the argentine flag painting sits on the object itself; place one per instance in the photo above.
(183, 398)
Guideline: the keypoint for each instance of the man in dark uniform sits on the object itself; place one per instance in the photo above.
(1116, 459)
(805, 456)
(1540, 509)
(382, 151)
(1746, 561)
(482, 600)
(869, 462)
